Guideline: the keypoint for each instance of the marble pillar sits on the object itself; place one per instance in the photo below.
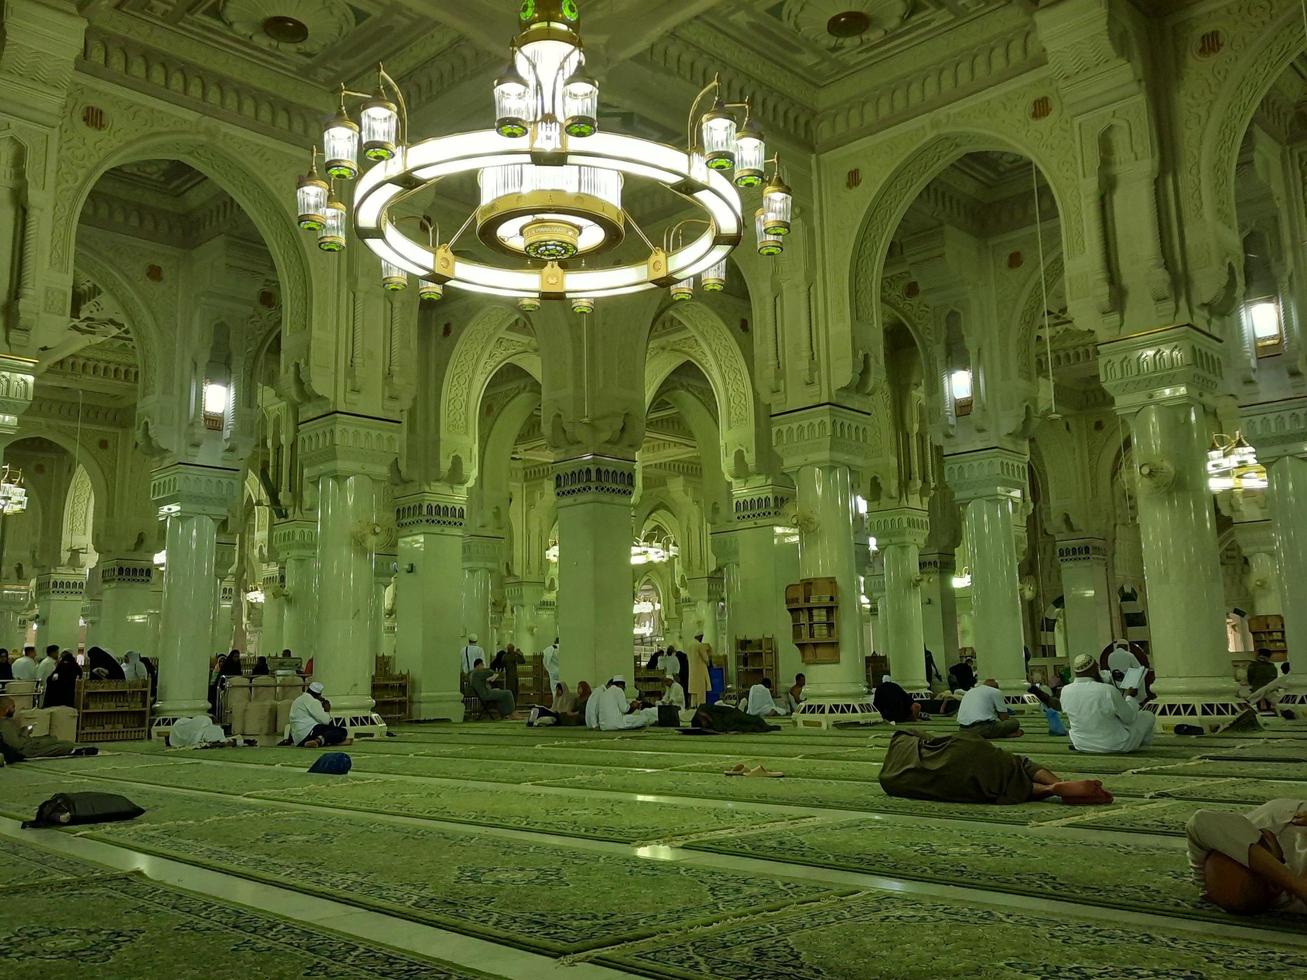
(349, 458)
(939, 610)
(990, 485)
(383, 573)
(126, 597)
(824, 493)
(706, 592)
(900, 532)
(763, 551)
(523, 597)
(1166, 382)
(428, 587)
(481, 554)
(59, 596)
(593, 499)
(14, 599)
(192, 499)
(273, 583)
(295, 543)
(1086, 595)
(1257, 542)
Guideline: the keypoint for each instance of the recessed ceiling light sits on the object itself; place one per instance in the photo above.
(851, 23)
(286, 30)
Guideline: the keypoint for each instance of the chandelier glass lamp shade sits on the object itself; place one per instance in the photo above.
(528, 304)
(1232, 465)
(768, 244)
(583, 304)
(713, 279)
(683, 290)
(429, 291)
(13, 495)
(551, 183)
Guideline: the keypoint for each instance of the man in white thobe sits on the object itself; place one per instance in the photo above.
(673, 693)
(24, 668)
(761, 701)
(552, 664)
(1100, 718)
(471, 654)
(616, 713)
(47, 666)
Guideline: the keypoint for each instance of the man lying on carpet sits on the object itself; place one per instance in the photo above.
(1252, 862)
(723, 719)
(17, 744)
(199, 732)
(966, 769)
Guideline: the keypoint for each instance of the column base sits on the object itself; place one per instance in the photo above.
(1209, 712)
(827, 711)
(437, 706)
(164, 713)
(356, 714)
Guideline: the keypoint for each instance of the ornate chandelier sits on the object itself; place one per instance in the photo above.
(550, 184)
(13, 495)
(642, 552)
(1232, 465)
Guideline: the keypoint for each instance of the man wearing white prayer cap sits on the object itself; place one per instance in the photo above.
(471, 654)
(673, 693)
(616, 713)
(310, 721)
(1100, 718)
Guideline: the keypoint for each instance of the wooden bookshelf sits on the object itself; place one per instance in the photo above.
(648, 681)
(1268, 632)
(533, 682)
(755, 658)
(390, 697)
(814, 613)
(113, 711)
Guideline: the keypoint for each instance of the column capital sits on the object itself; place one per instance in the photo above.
(1255, 537)
(986, 473)
(14, 598)
(824, 435)
(295, 539)
(482, 551)
(523, 592)
(431, 511)
(341, 444)
(1072, 551)
(61, 583)
(594, 478)
(1277, 429)
(1173, 365)
(17, 383)
(899, 525)
(937, 562)
(273, 579)
(761, 503)
(706, 588)
(122, 572)
(194, 489)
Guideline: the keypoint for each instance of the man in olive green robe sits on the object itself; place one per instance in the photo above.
(19, 745)
(968, 769)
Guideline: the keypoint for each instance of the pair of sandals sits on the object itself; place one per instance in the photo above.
(740, 769)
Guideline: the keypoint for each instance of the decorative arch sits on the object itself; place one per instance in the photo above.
(922, 163)
(482, 349)
(34, 427)
(1031, 318)
(265, 204)
(711, 347)
(79, 515)
(140, 322)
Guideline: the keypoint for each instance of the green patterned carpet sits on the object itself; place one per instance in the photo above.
(427, 827)
(890, 935)
(82, 920)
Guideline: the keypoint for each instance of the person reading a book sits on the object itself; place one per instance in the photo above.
(1100, 717)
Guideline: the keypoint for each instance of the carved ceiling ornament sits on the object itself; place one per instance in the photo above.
(272, 23)
(836, 24)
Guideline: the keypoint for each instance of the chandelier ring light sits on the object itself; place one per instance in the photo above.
(550, 184)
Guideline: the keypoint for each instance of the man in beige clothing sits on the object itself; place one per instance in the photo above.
(700, 657)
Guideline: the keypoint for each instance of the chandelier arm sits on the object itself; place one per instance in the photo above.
(712, 86)
(638, 230)
(399, 101)
(667, 235)
(462, 228)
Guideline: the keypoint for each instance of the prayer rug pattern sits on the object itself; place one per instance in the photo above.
(909, 938)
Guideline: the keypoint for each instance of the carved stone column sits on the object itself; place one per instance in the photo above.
(1087, 598)
(523, 597)
(428, 623)
(481, 555)
(593, 496)
(126, 596)
(192, 499)
(899, 534)
(1165, 382)
(59, 594)
(296, 545)
(990, 484)
(939, 610)
(273, 582)
(822, 448)
(348, 457)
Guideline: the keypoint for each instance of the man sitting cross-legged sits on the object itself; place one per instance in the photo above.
(966, 769)
(1252, 862)
(17, 743)
(984, 712)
